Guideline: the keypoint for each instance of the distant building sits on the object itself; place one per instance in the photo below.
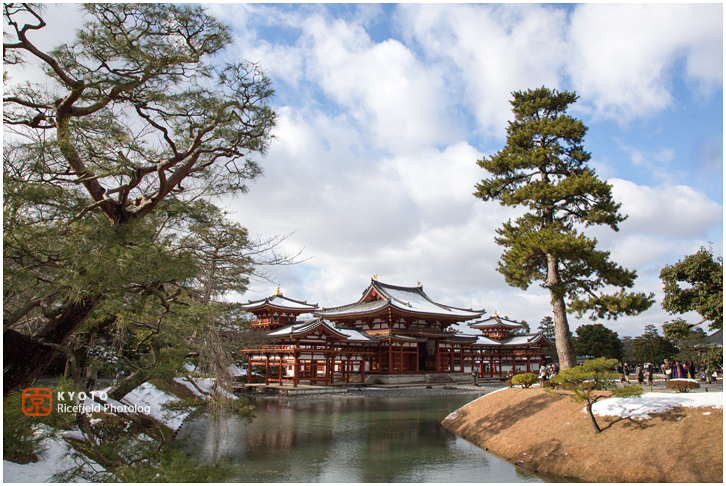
(716, 338)
(391, 331)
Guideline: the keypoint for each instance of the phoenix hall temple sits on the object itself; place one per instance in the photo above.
(392, 334)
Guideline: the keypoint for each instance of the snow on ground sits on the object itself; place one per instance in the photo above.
(56, 459)
(235, 370)
(207, 385)
(148, 395)
(649, 403)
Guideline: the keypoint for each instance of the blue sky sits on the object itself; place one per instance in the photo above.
(383, 111)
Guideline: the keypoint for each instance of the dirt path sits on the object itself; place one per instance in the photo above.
(548, 433)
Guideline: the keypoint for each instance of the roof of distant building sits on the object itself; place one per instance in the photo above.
(411, 300)
(716, 337)
(279, 301)
(495, 321)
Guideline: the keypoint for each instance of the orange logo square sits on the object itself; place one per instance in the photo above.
(37, 402)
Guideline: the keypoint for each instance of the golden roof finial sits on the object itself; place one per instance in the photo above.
(418, 283)
(375, 277)
(495, 314)
(277, 292)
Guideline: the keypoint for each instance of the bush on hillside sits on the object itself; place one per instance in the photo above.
(525, 379)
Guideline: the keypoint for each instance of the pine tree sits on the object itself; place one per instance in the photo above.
(543, 167)
(693, 284)
(597, 341)
(133, 122)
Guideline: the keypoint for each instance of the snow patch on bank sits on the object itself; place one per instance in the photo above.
(206, 385)
(644, 406)
(148, 395)
(55, 459)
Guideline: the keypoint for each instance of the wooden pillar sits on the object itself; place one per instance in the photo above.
(417, 359)
(404, 369)
(362, 370)
(267, 369)
(279, 372)
(296, 370)
(249, 368)
(328, 369)
(529, 369)
(390, 356)
(332, 369)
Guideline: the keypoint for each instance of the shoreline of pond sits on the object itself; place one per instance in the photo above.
(423, 391)
(548, 434)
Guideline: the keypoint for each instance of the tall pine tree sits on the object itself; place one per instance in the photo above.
(543, 167)
(138, 115)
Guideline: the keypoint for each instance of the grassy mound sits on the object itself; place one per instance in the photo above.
(548, 433)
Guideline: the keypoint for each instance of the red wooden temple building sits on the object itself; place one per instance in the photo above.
(391, 330)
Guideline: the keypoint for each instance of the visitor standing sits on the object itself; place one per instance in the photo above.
(639, 374)
(649, 369)
(667, 370)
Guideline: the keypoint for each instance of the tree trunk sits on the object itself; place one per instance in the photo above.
(592, 418)
(25, 357)
(128, 384)
(563, 338)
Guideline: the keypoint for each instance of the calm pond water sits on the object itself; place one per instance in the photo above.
(350, 440)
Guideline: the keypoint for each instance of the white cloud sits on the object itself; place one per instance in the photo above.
(490, 51)
(385, 88)
(669, 210)
(625, 55)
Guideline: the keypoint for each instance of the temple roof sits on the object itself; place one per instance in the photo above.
(303, 328)
(411, 300)
(495, 321)
(278, 301)
(526, 339)
(485, 341)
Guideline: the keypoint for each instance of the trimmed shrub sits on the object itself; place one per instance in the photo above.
(525, 379)
(682, 385)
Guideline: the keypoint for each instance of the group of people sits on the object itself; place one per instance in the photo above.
(687, 369)
(670, 370)
(546, 372)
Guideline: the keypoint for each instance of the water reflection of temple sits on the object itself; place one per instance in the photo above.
(392, 333)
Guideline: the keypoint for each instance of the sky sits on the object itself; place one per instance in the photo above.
(384, 109)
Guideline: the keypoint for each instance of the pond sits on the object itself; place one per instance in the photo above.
(350, 439)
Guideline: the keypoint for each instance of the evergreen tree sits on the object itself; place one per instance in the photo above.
(693, 284)
(597, 341)
(547, 327)
(133, 122)
(652, 347)
(588, 379)
(543, 168)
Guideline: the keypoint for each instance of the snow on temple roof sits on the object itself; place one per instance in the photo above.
(485, 341)
(495, 321)
(280, 302)
(407, 299)
(525, 339)
(352, 309)
(302, 328)
(355, 335)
